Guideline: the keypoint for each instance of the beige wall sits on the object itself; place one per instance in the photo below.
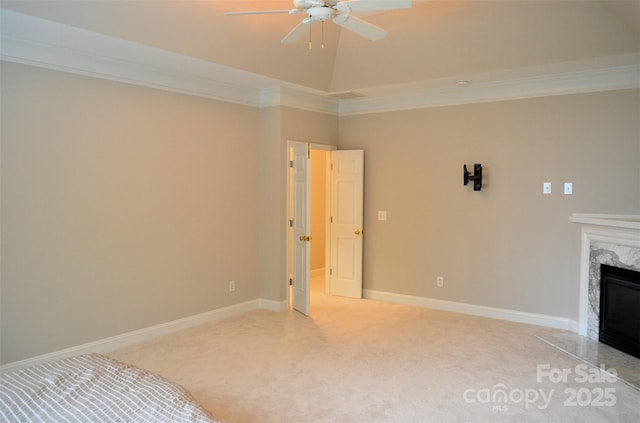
(125, 207)
(508, 246)
(272, 205)
(118, 212)
(122, 207)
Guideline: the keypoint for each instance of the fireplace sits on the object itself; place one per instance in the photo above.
(612, 240)
(620, 309)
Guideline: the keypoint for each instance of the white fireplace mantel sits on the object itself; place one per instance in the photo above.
(622, 231)
(627, 221)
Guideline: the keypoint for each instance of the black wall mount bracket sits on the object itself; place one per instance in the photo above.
(476, 177)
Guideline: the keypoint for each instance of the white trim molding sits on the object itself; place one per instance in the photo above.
(272, 305)
(38, 42)
(304, 99)
(574, 82)
(628, 221)
(141, 335)
(474, 310)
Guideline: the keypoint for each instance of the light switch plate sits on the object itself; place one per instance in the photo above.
(382, 215)
(546, 188)
(568, 188)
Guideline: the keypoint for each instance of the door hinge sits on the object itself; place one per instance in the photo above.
(308, 151)
(291, 163)
(330, 271)
(291, 223)
(331, 219)
(331, 166)
(290, 281)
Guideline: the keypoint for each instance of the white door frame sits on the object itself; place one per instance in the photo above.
(312, 146)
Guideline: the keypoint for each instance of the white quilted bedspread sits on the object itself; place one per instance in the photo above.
(94, 388)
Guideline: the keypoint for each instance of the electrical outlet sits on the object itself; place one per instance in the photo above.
(440, 282)
(232, 286)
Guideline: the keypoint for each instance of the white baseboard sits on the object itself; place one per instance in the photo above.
(574, 325)
(134, 337)
(273, 305)
(475, 310)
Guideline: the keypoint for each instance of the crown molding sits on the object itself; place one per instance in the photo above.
(299, 99)
(573, 82)
(37, 42)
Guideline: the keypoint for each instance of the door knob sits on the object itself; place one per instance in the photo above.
(305, 238)
(357, 232)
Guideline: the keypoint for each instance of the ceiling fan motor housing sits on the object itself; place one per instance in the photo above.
(321, 13)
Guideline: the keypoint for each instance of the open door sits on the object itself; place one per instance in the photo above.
(300, 218)
(347, 194)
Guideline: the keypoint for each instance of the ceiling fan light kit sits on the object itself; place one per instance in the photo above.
(340, 12)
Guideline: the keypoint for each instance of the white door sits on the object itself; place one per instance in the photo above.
(347, 182)
(301, 227)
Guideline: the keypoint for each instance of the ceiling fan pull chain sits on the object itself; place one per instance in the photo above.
(310, 45)
(322, 40)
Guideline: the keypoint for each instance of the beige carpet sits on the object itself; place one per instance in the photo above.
(369, 361)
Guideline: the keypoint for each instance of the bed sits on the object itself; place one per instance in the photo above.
(94, 388)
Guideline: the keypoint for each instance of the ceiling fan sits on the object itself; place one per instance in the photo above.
(339, 12)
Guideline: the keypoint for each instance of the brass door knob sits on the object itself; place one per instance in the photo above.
(305, 238)
(357, 232)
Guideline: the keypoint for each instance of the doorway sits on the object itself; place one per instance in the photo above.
(320, 174)
(308, 220)
(329, 187)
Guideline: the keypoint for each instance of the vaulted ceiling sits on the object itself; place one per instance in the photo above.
(434, 40)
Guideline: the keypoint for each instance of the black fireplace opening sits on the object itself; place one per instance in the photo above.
(620, 309)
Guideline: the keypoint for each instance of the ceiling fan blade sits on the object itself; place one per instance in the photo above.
(360, 27)
(263, 12)
(299, 31)
(372, 5)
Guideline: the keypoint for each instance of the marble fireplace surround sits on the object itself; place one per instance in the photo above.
(606, 239)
